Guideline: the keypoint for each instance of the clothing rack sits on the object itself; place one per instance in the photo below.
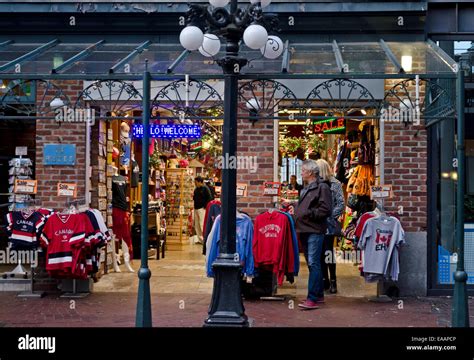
(380, 297)
(32, 293)
(74, 294)
(274, 296)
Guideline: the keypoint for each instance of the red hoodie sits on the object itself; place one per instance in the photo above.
(272, 243)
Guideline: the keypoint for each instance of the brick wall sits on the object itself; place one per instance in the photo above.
(49, 131)
(255, 140)
(406, 167)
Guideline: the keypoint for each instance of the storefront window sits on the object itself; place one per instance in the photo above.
(444, 165)
(446, 202)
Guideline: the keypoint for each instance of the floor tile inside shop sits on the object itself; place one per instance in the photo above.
(182, 272)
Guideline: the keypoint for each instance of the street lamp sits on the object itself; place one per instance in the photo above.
(233, 25)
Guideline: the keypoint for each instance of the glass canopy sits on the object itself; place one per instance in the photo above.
(104, 58)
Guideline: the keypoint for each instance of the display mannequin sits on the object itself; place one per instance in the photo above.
(125, 142)
(121, 216)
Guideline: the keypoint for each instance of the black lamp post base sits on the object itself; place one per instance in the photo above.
(460, 309)
(227, 308)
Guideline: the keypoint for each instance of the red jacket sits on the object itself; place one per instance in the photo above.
(272, 244)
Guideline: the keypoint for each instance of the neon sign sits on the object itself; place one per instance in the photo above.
(169, 131)
(330, 126)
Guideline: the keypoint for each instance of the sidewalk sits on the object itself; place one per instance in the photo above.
(181, 294)
(190, 310)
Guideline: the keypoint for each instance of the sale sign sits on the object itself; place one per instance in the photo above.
(67, 189)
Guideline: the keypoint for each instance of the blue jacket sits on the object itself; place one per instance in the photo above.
(244, 244)
(294, 237)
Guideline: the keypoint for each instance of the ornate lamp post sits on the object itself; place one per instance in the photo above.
(233, 25)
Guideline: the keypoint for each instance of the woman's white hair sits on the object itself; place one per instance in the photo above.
(311, 166)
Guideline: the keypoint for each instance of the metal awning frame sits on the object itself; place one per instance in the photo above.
(111, 74)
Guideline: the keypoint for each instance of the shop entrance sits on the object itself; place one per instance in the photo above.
(341, 129)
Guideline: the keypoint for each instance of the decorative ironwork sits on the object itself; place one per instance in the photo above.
(188, 102)
(113, 98)
(32, 98)
(264, 98)
(341, 97)
(436, 103)
(192, 99)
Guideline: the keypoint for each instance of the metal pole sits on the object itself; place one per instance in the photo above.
(460, 310)
(143, 317)
(226, 308)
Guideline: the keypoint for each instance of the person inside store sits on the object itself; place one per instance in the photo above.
(202, 196)
(121, 216)
(328, 259)
(210, 184)
(311, 213)
(293, 185)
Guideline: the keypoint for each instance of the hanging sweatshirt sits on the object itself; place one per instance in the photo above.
(243, 244)
(294, 238)
(272, 244)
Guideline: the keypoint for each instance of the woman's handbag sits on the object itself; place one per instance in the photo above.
(334, 227)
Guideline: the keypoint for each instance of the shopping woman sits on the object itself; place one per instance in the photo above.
(328, 259)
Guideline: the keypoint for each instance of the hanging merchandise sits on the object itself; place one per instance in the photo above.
(362, 177)
(361, 180)
(24, 228)
(381, 238)
(294, 240)
(244, 239)
(125, 142)
(213, 209)
(273, 244)
(68, 239)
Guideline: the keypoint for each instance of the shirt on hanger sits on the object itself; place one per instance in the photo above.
(272, 244)
(379, 238)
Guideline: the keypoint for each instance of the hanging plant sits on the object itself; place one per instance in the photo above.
(316, 143)
(290, 145)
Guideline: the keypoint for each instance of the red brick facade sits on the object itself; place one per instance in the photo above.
(406, 168)
(255, 140)
(52, 132)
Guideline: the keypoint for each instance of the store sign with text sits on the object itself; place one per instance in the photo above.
(241, 189)
(25, 186)
(330, 126)
(176, 131)
(271, 188)
(381, 192)
(59, 154)
(67, 189)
